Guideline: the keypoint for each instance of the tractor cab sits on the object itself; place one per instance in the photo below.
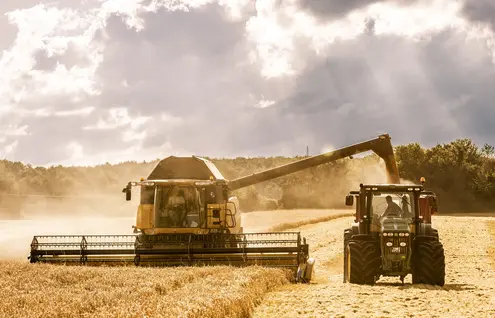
(383, 206)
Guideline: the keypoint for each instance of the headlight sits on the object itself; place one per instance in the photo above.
(407, 234)
(402, 244)
(389, 244)
(401, 234)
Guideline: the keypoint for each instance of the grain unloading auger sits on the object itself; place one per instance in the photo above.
(187, 216)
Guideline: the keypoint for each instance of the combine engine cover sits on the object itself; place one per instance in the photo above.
(185, 168)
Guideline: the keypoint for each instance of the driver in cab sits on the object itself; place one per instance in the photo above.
(393, 209)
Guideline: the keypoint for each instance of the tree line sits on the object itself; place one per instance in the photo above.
(460, 172)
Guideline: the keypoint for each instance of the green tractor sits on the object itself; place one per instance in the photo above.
(392, 235)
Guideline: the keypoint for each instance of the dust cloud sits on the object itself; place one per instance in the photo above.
(99, 215)
(63, 216)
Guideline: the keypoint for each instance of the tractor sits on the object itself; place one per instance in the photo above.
(392, 235)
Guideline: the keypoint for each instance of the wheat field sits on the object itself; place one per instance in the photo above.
(62, 291)
(469, 290)
(33, 290)
(43, 290)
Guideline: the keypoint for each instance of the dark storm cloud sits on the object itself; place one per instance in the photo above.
(181, 63)
(334, 9)
(193, 66)
(192, 69)
(480, 11)
(424, 92)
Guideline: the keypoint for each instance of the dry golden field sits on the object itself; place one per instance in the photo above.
(55, 291)
(491, 227)
(60, 291)
(41, 290)
(469, 290)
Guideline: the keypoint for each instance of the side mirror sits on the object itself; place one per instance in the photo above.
(128, 192)
(349, 200)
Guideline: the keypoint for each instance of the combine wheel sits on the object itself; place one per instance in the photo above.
(363, 262)
(429, 263)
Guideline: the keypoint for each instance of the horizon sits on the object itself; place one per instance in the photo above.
(138, 161)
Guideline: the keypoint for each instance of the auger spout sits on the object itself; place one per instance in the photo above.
(381, 145)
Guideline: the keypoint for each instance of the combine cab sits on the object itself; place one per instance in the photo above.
(393, 236)
(187, 216)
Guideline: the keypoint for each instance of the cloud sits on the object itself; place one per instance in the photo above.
(482, 11)
(335, 8)
(120, 80)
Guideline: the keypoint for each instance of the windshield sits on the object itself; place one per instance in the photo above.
(177, 206)
(392, 205)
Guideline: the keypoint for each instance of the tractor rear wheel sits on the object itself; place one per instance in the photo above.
(429, 263)
(363, 262)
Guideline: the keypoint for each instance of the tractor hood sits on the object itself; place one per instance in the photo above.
(392, 224)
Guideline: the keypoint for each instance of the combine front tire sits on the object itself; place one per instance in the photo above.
(363, 262)
(429, 263)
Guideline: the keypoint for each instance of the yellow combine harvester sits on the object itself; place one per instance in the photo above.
(187, 216)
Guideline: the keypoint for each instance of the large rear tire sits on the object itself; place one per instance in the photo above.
(363, 262)
(429, 263)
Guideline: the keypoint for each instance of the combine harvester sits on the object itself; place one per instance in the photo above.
(187, 216)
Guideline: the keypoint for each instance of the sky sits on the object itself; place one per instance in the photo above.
(94, 81)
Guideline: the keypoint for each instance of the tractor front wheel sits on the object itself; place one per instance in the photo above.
(363, 261)
(429, 263)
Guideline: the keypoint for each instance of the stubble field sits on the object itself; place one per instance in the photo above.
(45, 290)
